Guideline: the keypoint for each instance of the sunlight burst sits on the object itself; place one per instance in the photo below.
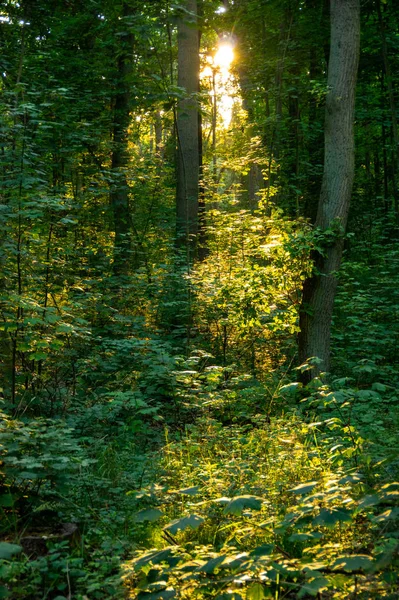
(224, 56)
(218, 69)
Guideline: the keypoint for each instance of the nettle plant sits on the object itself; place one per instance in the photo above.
(248, 289)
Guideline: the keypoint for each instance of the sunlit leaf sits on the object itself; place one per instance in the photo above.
(192, 491)
(238, 504)
(193, 521)
(353, 563)
(222, 500)
(291, 387)
(312, 588)
(257, 591)
(212, 564)
(155, 557)
(390, 514)
(304, 488)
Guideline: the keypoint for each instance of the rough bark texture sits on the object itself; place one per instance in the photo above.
(319, 290)
(202, 249)
(188, 162)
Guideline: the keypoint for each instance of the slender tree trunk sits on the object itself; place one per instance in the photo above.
(392, 105)
(254, 181)
(332, 214)
(158, 130)
(119, 193)
(188, 162)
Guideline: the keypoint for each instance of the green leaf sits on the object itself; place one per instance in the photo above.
(238, 504)
(388, 515)
(379, 387)
(8, 550)
(4, 593)
(192, 491)
(354, 478)
(6, 500)
(313, 587)
(240, 562)
(370, 500)
(211, 564)
(222, 500)
(257, 591)
(155, 557)
(291, 387)
(263, 550)
(304, 488)
(353, 563)
(149, 514)
(329, 517)
(193, 521)
(28, 475)
(38, 356)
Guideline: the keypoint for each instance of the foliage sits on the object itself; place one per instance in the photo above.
(261, 532)
(40, 460)
(161, 410)
(248, 290)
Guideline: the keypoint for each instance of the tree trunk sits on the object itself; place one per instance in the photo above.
(332, 214)
(392, 105)
(119, 193)
(188, 162)
(202, 249)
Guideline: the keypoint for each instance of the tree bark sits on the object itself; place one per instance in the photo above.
(392, 105)
(158, 129)
(202, 249)
(332, 214)
(119, 193)
(188, 162)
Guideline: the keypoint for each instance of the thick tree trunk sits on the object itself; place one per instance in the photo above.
(188, 161)
(332, 214)
(119, 193)
(319, 12)
(202, 249)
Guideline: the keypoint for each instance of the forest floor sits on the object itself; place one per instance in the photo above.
(240, 488)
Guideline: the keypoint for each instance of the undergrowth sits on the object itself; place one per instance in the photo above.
(188, 477)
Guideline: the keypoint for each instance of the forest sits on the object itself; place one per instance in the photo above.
(199, 299)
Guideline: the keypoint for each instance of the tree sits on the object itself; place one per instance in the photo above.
(119, 193)
(392, 105)
(188, 161)
(333, 208)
